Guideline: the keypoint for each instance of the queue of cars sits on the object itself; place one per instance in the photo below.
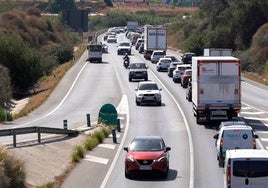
(235, 141)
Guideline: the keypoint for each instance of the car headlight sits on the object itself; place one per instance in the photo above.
(161, 159)
(130, 158)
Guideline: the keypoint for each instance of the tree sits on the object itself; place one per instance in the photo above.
(59, 5)
(5, 87)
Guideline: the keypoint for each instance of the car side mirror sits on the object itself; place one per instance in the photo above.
(126, 148)
(168, 149)
(256, 136)
(136, 89)
(160, 89)
(216, 136)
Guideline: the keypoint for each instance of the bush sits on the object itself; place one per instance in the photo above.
(91, 143)
(12, 172)
(99, 135)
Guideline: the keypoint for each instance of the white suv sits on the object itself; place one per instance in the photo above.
(233, 136)
(148, 92)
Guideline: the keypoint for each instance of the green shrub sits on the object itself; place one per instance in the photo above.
(91, 143)
(106, 131)
(99, 135)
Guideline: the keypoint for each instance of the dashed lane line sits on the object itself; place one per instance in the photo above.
(96, 159)
(253, 113)
(107, 146)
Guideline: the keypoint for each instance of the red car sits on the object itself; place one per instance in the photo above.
(147, 153)
(187, 75)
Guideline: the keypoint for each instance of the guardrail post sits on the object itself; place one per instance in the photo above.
(114, 136)
(65, 124)
(14, 138)
(88, 120)
(118, 125)
(38, 134)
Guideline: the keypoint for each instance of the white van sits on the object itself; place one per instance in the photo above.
(234, 137)
(246, 168)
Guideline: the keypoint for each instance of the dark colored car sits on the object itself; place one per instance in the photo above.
(141, 48)
(147, 154)
(187, 57)
(185, 77)
(137, 71)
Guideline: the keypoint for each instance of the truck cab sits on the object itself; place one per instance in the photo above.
(94, 52)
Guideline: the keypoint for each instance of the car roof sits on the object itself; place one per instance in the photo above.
(236, 127)
(248, 153)
(147, 82)
(231, 123)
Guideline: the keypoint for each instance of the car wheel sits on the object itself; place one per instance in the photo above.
(165, 174)
(130, 79)
(221, 163)
(127, 175)
(159, 103)
(146, 78)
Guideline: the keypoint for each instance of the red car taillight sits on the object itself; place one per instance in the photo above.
(228, 178)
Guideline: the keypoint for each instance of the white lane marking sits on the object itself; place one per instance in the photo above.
(246, 108)
(253, 113)
(264, 139)
(262, 132)
(255, 118)
(108, 146)
(259, 124)
(96, 159)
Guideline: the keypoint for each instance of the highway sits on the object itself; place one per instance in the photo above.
(87, 86)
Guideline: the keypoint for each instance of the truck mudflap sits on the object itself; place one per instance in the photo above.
(209, 113)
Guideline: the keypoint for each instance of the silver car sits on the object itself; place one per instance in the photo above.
(148, 92)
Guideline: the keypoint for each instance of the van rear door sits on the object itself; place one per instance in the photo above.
(249, 173)
(237, 139)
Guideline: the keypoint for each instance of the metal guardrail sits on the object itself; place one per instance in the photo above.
(26, 130)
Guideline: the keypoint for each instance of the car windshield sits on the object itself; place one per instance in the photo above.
(149, 86)
(124, 44)
(137, 66)
(146, 145)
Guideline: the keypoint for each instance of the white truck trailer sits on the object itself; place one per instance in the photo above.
(132, 26)
(155, 38)
(216, 88)
(218, 52)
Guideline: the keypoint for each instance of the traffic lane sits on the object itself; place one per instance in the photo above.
(206, 170)
(164, 121)
(86, 97)
(254, 94)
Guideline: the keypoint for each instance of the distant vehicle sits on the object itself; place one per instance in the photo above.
(234, 137)
(223, 102)
(147, 154)
(141, 48)
(247, 168)
(185, 77)
(138, 43)
(172, 67)
(187, 57)
(104, 48)
(163, 64)
(155, 38)
(123, 48)
(94, 52)
(132, 26)
(137, 71)
(217, 52)
(178, 71)
(173, 58)
(156, 55)
(148, 92)
(189, 91)
(111, 39)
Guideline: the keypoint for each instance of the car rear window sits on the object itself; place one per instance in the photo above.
(250, 169)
